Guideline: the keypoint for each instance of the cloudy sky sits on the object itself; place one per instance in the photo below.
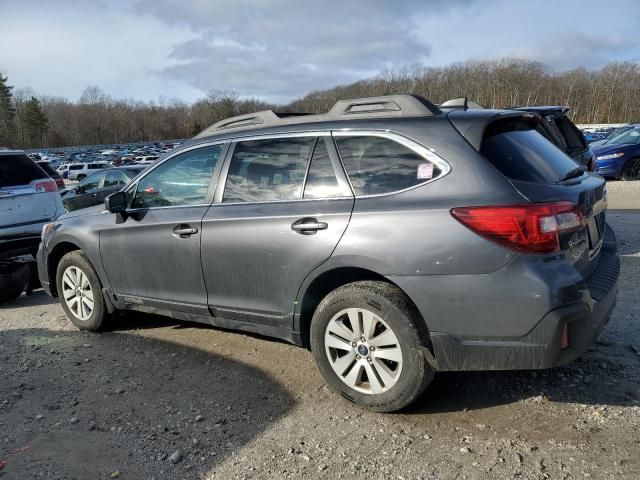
(278, 50)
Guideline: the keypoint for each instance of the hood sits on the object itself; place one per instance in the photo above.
(89, 211)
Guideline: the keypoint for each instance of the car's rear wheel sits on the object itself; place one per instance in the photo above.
(80, 291)
(631, 170)
(368, 343)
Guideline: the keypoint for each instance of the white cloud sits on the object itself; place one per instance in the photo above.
(280, 49)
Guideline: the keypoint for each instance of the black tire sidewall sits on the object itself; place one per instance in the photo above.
(630, 163)
(388, 304)
(77, 259)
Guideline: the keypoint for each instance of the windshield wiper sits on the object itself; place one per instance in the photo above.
(573, 173)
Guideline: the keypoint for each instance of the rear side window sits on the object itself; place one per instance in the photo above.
(378, 165)
(19, 170)
(76, 167)
(268, 170)
(519, 152)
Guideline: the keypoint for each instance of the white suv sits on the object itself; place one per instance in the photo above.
(28, 200)
(78, 171)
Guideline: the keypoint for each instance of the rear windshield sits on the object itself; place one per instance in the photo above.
(521, 153)
(18, 170)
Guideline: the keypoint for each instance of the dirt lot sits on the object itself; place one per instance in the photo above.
(160, 399)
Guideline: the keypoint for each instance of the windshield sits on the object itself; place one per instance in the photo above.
(630, 137)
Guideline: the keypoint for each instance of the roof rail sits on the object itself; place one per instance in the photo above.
(371, 107)
(460, 102)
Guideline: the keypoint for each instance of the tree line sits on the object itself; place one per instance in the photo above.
(27, 120)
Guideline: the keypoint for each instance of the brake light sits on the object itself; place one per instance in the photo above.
(48, 186)
(59, 182)
(528, 228)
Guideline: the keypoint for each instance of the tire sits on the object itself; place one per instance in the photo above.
(78, 272)
(12, 293)
(385, 306)
(631, 170)
(13, 283)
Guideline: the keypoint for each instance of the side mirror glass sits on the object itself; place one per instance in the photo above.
(116, 202)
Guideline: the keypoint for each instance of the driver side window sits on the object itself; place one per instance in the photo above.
(181, 180)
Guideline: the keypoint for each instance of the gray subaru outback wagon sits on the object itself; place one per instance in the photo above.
(390, 237)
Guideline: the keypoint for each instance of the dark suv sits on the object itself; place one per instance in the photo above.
(392, 239)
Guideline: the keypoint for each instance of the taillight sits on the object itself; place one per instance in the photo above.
(528, 228)
(48, 186)
(59, 182)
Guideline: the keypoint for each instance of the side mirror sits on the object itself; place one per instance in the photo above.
(79, 188)
(116, 202)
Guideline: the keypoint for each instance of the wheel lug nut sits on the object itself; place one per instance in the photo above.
(353, 344)
(358, 357)
(363, 339)
(372, 348)
(369, 359)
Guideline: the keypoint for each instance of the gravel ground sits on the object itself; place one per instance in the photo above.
(159, 399)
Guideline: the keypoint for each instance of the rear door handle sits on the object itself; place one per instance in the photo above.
(308, 226)
(184, 231)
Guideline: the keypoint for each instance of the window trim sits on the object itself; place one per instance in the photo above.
(213, 182)
(427, 153)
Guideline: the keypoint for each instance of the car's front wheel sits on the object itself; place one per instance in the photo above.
(631, 170)
(80, 291)
(368, 343)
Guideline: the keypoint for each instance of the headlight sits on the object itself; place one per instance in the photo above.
(610, 156)
(47, 229)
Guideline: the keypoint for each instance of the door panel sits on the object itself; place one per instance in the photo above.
(144, 258)
(266, 233)
(153, 251)
(254, 262)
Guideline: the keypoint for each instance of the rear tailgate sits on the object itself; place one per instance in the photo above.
(27, 195)
(543, 173)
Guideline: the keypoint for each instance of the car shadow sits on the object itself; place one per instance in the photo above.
(82, 405)
(38, 297)
(607, 374)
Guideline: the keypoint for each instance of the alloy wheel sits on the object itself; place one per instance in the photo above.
(77, 293)
(363, 351)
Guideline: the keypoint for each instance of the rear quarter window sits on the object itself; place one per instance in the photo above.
(521, 153)
(379, 165)
(19, 170)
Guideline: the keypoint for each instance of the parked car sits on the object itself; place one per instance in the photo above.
(393, 239)
(620, 156)
(52, 172)
(614, 133)
(28, 199)
(93, 189)
(558, 128)
(78, 171)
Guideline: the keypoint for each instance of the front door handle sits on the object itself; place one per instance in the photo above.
(184, 231)
(308, 226)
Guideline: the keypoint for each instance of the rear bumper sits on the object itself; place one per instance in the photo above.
(584, 312)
